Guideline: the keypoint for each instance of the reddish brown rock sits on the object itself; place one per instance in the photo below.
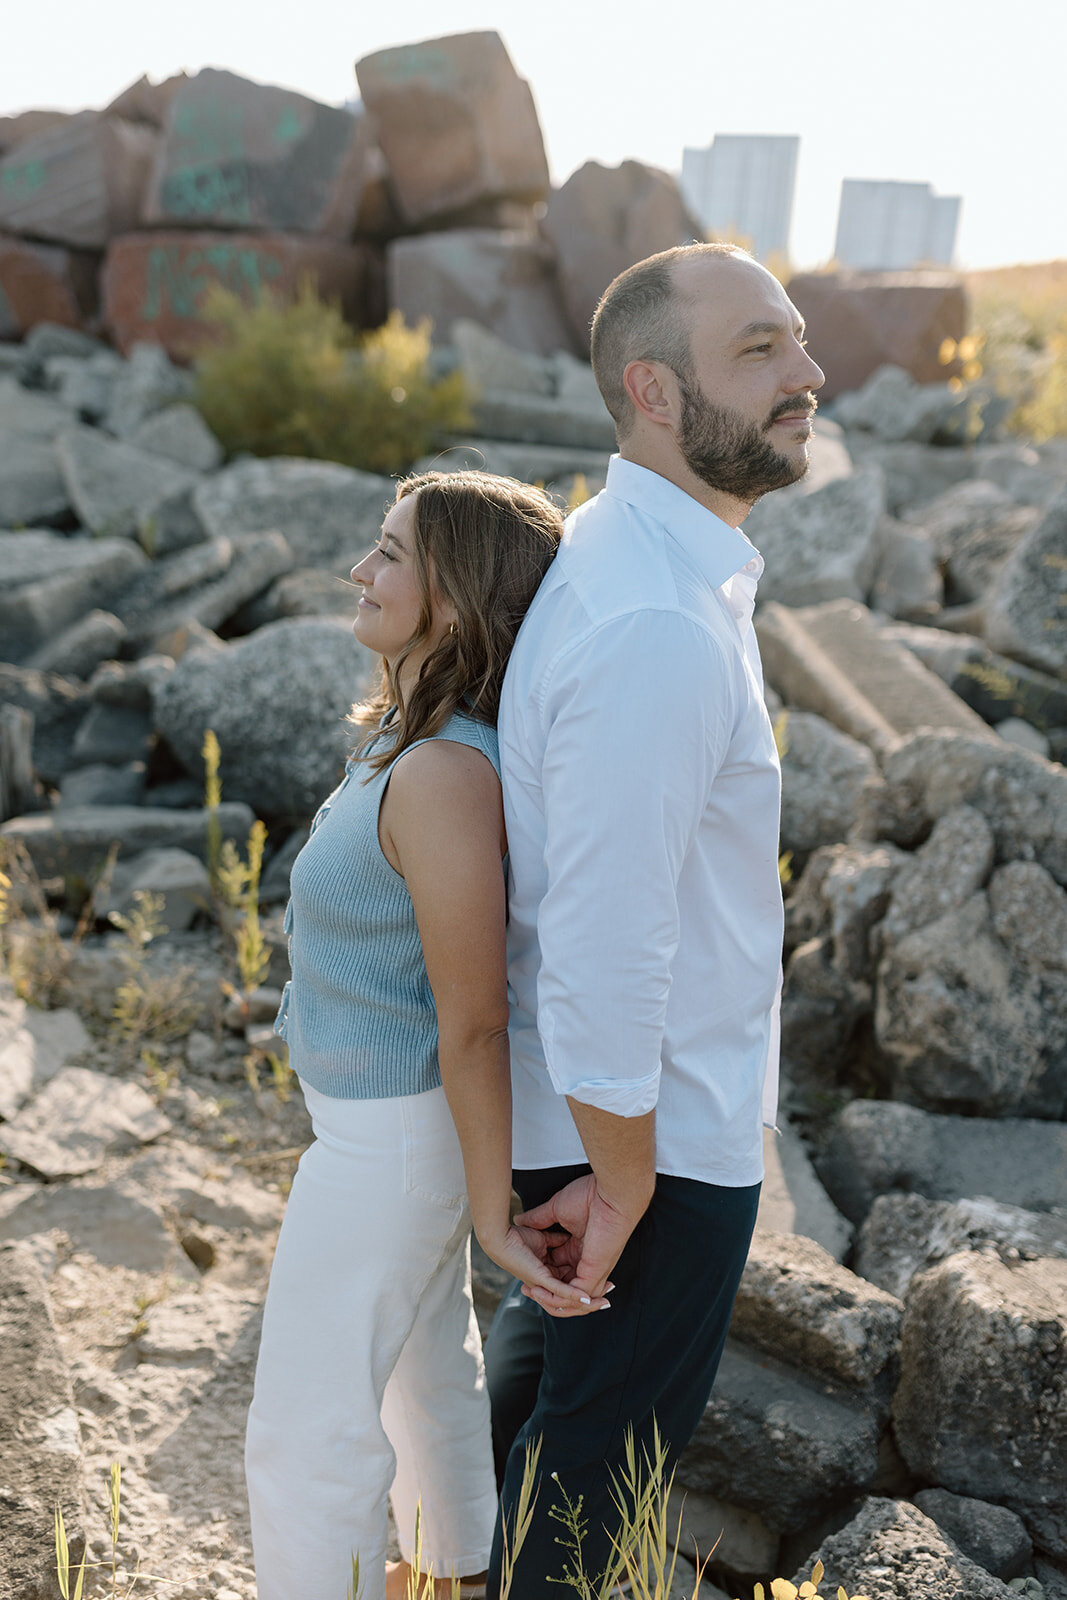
(858, 322)
(504, 281)
(457, 124)
(45, 283)
(602, 221)
(238, 154)
(26, 125)
(154, 284)
(77, 184)
(145, 101)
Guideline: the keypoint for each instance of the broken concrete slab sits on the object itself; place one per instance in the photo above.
(77, 1120)
(34, 1046)
(77, 840)
(906, 1233)
(891, 1551)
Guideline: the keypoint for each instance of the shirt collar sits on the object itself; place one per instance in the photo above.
(716, 549)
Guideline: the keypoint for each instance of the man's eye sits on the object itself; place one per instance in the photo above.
(757, 349)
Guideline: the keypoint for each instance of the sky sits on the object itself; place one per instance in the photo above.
(964, 94)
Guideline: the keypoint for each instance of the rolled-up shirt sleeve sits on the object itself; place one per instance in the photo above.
(638, 717)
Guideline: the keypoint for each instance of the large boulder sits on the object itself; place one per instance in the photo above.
(974, 527)
(892, 406)
(78, 839)
(941, 876)
(51, 582)
(206, 584)
(40, 1441)
(277, 702)
(914, 473)
(328, 514)
(822, 546)
(982, 1406)
(244, 155)
(906, 1233)
(456, 124)
(111, 483)
(45, 283)
(880, 1146)
(603, 220)
(991, 1536)
(892, 1551)
(1026, 614)
(1022, 796)
(503, 279)
(154, 284)
(80, 183)
(823, 774)
(858, 322)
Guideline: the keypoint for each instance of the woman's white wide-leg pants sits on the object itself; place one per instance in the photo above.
(370, 1381)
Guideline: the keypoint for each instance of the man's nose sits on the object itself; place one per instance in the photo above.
(812, 375)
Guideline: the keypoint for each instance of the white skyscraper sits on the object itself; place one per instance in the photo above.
(883, 226)
(742, 185)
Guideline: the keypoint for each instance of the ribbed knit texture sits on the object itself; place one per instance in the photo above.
(358, 1013)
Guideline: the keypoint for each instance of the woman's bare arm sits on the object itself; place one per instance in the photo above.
(442, 827)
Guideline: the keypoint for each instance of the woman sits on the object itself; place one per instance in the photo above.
(396, 1020)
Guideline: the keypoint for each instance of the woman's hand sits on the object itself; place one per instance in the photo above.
(524, 1252)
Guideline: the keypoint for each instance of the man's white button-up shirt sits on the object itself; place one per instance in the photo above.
(641, 791)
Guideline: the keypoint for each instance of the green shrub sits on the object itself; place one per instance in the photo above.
(1022, 314)
(294, 380)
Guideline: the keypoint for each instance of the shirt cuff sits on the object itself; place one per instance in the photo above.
(623, 1097)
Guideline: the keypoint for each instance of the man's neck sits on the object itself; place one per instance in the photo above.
(671, 466)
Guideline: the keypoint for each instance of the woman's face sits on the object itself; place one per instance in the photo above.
(390, 607)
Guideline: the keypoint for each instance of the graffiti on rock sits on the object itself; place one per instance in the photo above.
(177, 278)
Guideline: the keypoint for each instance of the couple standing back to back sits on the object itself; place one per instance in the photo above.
(641, 799)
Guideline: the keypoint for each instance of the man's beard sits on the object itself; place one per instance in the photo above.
(729, 452)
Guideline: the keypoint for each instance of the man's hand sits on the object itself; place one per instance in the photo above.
(526, 1253)
(597, 1232)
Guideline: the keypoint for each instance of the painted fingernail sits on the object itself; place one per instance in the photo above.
(606, 1306)
(608, 1288)
(586, 1300)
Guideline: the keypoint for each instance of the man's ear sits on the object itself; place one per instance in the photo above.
(653, 391)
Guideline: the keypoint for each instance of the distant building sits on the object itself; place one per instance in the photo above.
(882, 226)
(742, 186)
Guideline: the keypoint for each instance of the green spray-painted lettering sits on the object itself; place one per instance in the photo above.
(207, 191)
(289, 126)
(177, 280)
(22, 179)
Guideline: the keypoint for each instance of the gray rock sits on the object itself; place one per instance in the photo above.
(981, 1408)
(149, 380)
(893, 407)
(178, 877)
(193, 1329)
(113, 733)
(276, 701)
(40, 1442)
(965, 1027)
(573, 381)
(307, 592)
(942, 875)
(914, 473)
(102, 784)
(171, 525)
(1013, 730)
(79, 649)
(776, 1441)
(180, 433)
(205, 584)
(32, 491)
(1029, 911)
(1026, 614)
(184, 1179)
(31, 415)
(991, 1536)
(34, 1046)
(844, 893)
(975, 527)
(112, 483)
(907, 580)
(108, 1221)
(47, 341)
(991, 684)
(906, 1233)
(535, 419)
(822, 1008)
(823, 774)
(879, 1146)
(1021, 796)
(530, 463)
(57, 706)
(85, 386)
(891, 1551)
(51, 582)
(1032, 477)
(792, 1200)
(130, 684)
(79, 1119)
(329, 514)
(799, 1304)
(488, 363)
(78, 840)
(822, 546)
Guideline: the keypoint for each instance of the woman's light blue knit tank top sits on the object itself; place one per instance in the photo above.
(358, 1013)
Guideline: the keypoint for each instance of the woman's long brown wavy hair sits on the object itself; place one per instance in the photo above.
(485, 543)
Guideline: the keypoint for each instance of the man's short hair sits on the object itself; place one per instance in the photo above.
(641, 317)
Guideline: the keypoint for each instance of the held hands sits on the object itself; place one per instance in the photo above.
(595, 1234)
(525, 1253)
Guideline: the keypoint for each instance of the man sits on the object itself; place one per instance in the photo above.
(641, 788)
